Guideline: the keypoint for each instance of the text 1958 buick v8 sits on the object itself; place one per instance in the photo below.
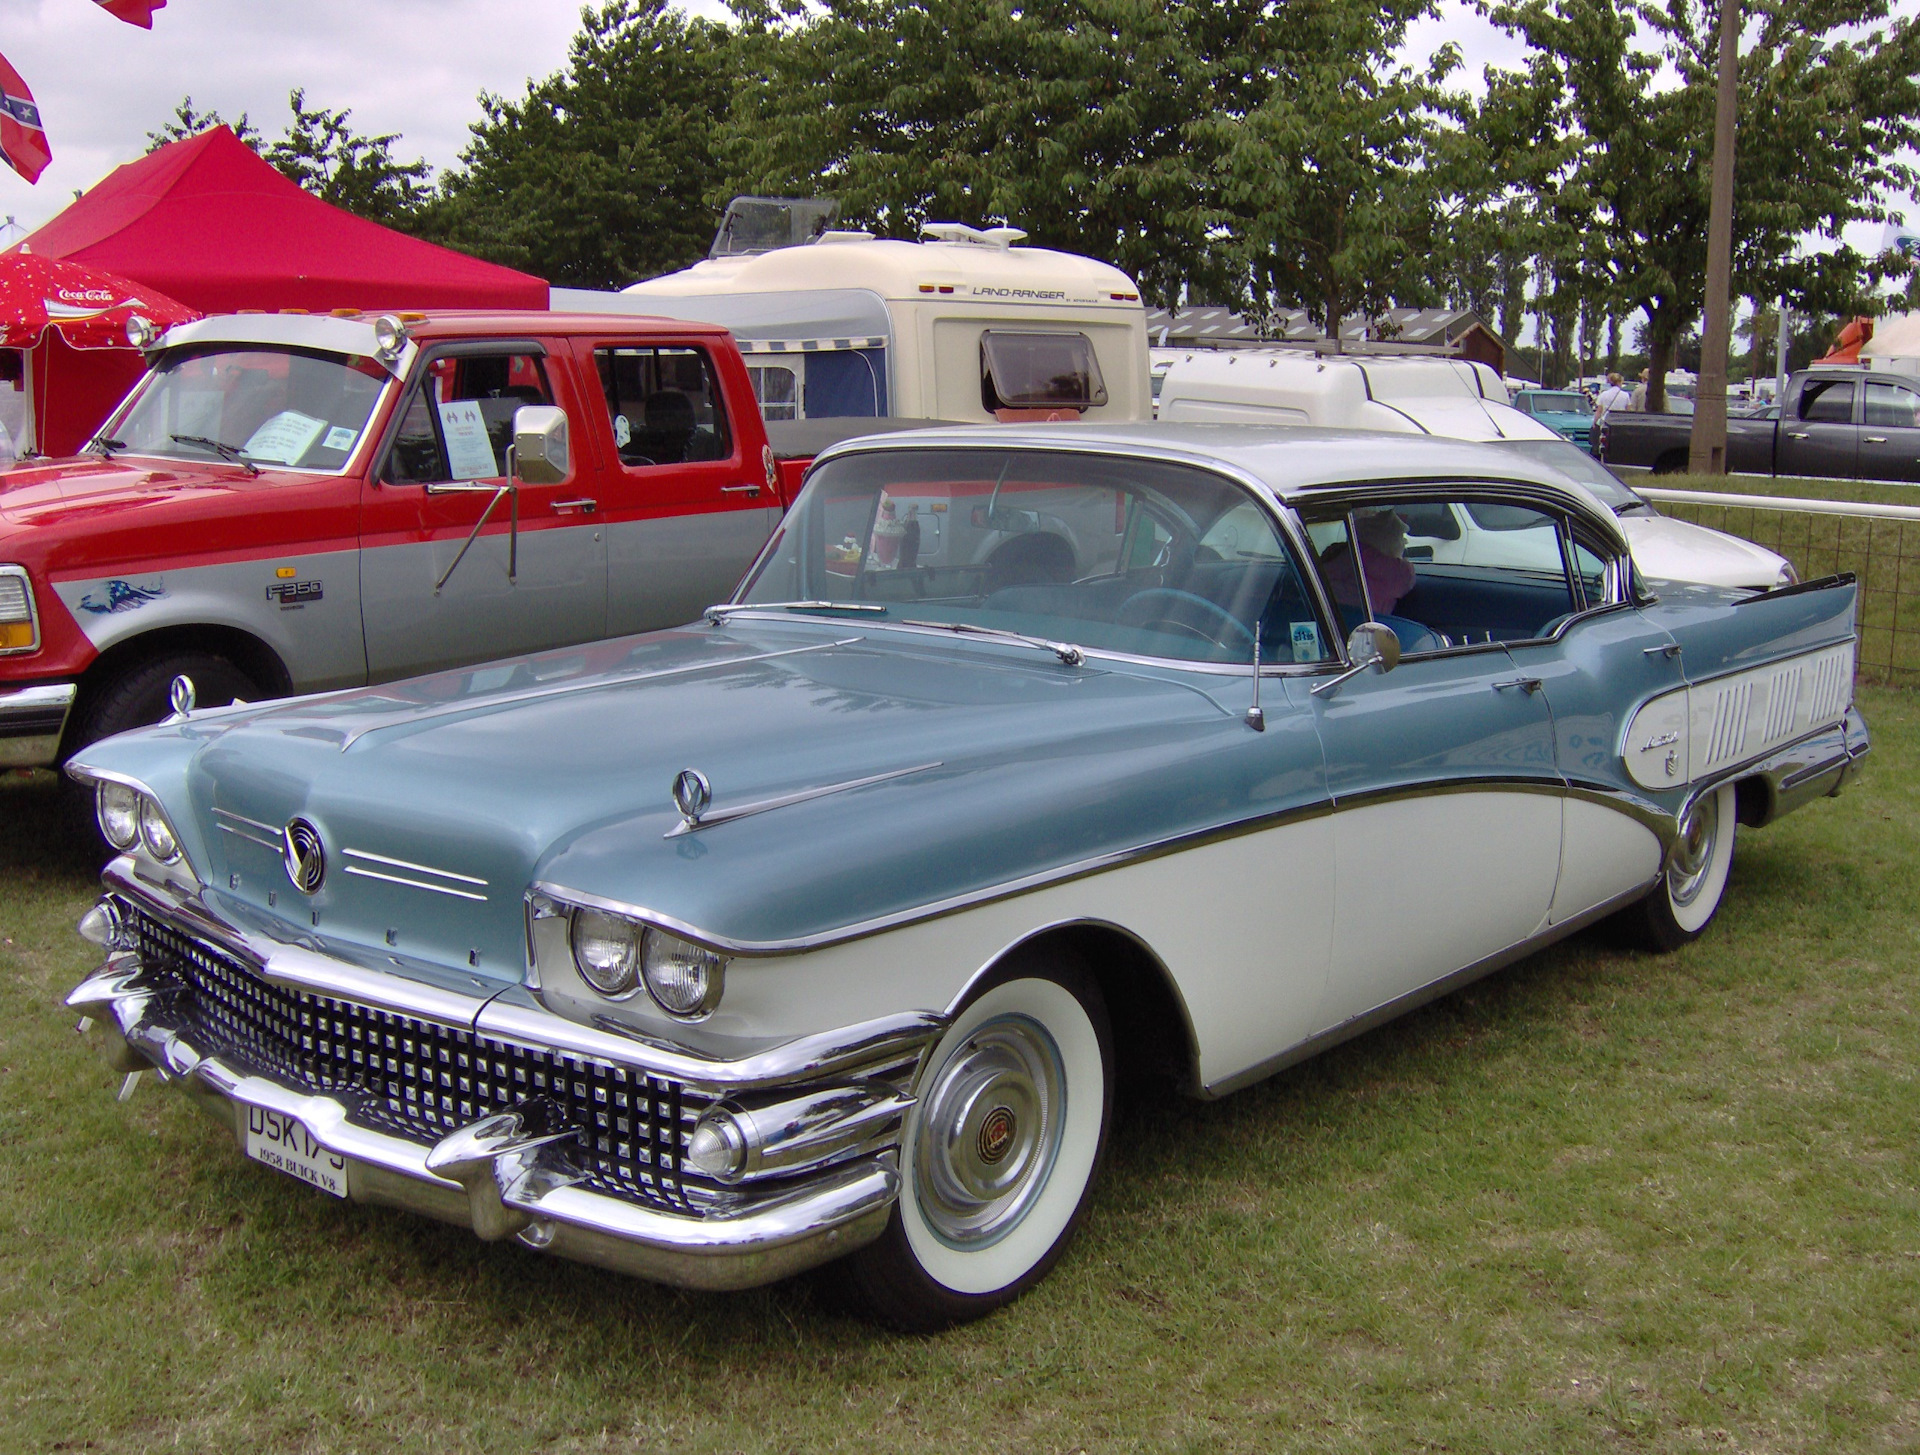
(823, 926)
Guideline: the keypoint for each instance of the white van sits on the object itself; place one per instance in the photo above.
(1458, 399)
(966, 325)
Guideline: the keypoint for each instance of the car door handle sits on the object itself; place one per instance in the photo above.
(1875, 439)
(750, 490)
(583, 505)
(1669, 651)
(1794, 434)
(1528, 685)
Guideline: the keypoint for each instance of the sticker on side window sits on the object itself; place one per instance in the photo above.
(1306, 641)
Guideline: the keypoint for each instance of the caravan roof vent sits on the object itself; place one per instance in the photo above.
(761, 224)
(958, 232)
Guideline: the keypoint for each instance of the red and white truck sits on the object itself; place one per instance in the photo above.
(292, 503)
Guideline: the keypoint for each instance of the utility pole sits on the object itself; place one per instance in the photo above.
(1707, 452)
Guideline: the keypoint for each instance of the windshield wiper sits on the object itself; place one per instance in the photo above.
(232, 454)
(718, 614)
(105, 445)
(1065, 651)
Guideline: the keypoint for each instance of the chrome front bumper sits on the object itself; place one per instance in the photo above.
(505, 1177)
(31, 722)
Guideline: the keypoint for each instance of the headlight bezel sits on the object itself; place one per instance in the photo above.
(31, 619)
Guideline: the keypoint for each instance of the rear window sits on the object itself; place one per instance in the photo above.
(1039, 371)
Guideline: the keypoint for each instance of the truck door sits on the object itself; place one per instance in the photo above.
(684, 507)
(533, 576)
(1890, 432)
(1820, 437)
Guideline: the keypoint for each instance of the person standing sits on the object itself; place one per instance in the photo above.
(1614, 396)
(1639, 401)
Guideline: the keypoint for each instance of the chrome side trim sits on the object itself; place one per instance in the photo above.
(747, 810)
(239, 825)
(1359, 1025)
(409, 864)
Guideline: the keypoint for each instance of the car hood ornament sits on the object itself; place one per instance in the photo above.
(691, 795)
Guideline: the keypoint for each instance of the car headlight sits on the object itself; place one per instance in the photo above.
(19, 627)
(156, 833)
(118, 809)
(606, 950)
(684, 979)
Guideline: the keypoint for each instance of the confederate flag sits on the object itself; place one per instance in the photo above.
(23, 145)
(134, 12)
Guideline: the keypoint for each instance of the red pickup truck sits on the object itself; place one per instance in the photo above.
(291, 503)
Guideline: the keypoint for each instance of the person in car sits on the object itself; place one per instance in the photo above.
(1383, 544)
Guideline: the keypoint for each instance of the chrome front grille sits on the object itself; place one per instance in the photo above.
(420, 1080)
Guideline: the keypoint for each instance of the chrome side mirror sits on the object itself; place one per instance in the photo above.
(541, 453)
(1371, 647)
(1374, 645)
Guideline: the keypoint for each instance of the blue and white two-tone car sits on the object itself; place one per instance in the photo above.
(822, 927)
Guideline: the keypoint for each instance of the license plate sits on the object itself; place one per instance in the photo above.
(284, 1142)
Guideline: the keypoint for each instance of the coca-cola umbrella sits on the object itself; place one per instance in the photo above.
(89, 308)
(69, 322)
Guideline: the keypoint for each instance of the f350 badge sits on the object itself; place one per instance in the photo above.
(294, 593)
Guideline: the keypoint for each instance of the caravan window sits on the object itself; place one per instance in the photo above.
(778, 391)
(1039, 371)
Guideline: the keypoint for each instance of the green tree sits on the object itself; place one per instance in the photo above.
(1331, 186)
(186, 122)
(1080, 121)
(323, 153)
(606, 171)
(1623, 93)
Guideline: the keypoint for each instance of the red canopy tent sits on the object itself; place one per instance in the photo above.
(208, 222)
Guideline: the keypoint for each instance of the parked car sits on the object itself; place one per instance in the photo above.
(1460, 400)
(822, 927)
(1841, 421)
(1565, 411)
(290, 503)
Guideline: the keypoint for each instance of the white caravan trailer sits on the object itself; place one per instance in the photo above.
(965, 325)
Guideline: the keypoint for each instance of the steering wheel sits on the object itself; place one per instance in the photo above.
(1162, 607)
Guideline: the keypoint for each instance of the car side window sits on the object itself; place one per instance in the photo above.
(1827, 401)
(1452, 571)
(459, 422)
(665, 405)
(1890, 405)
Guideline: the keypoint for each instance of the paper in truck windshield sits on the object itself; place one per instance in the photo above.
(283, 439)
(469, 451)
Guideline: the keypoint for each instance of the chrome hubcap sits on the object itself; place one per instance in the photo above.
(989, 1132)
(1693, 853)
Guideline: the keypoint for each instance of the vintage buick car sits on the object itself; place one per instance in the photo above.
(822, 926)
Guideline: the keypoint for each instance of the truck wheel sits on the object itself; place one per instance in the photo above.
(1690, 889)
(999, 1153)
(136, 695)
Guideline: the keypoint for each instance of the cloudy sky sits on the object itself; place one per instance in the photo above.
(409, 66)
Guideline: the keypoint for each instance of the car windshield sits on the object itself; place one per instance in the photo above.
(1122, 555)
(265, 406)
(1569, 459)
(1561, 403)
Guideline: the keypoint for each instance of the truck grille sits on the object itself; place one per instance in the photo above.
(421, 1080)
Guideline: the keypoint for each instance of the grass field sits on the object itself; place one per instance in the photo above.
(1599, 1201)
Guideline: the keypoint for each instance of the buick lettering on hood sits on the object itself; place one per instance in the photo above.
(1023, 759)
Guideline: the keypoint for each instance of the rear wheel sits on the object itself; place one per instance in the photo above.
(999, 1153)
(1690, 890)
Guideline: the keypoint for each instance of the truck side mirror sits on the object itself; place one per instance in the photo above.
(541, 455)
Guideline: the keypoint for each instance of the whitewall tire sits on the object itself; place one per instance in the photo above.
(1694, 881)
(999, 1152)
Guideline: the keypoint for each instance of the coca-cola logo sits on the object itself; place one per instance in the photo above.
(105, 297)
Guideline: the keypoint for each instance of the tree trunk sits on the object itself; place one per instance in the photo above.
(1659, 360)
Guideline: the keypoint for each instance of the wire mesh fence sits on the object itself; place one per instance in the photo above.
(1879, 544)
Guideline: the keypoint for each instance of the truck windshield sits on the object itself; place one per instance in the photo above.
(274, 406)
(1119, 555)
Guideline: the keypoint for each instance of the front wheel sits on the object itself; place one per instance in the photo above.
(1694, 882)
(998, 1154)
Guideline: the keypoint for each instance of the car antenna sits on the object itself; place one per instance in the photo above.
(1256, 716)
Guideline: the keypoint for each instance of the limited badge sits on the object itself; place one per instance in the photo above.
(295, 593)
